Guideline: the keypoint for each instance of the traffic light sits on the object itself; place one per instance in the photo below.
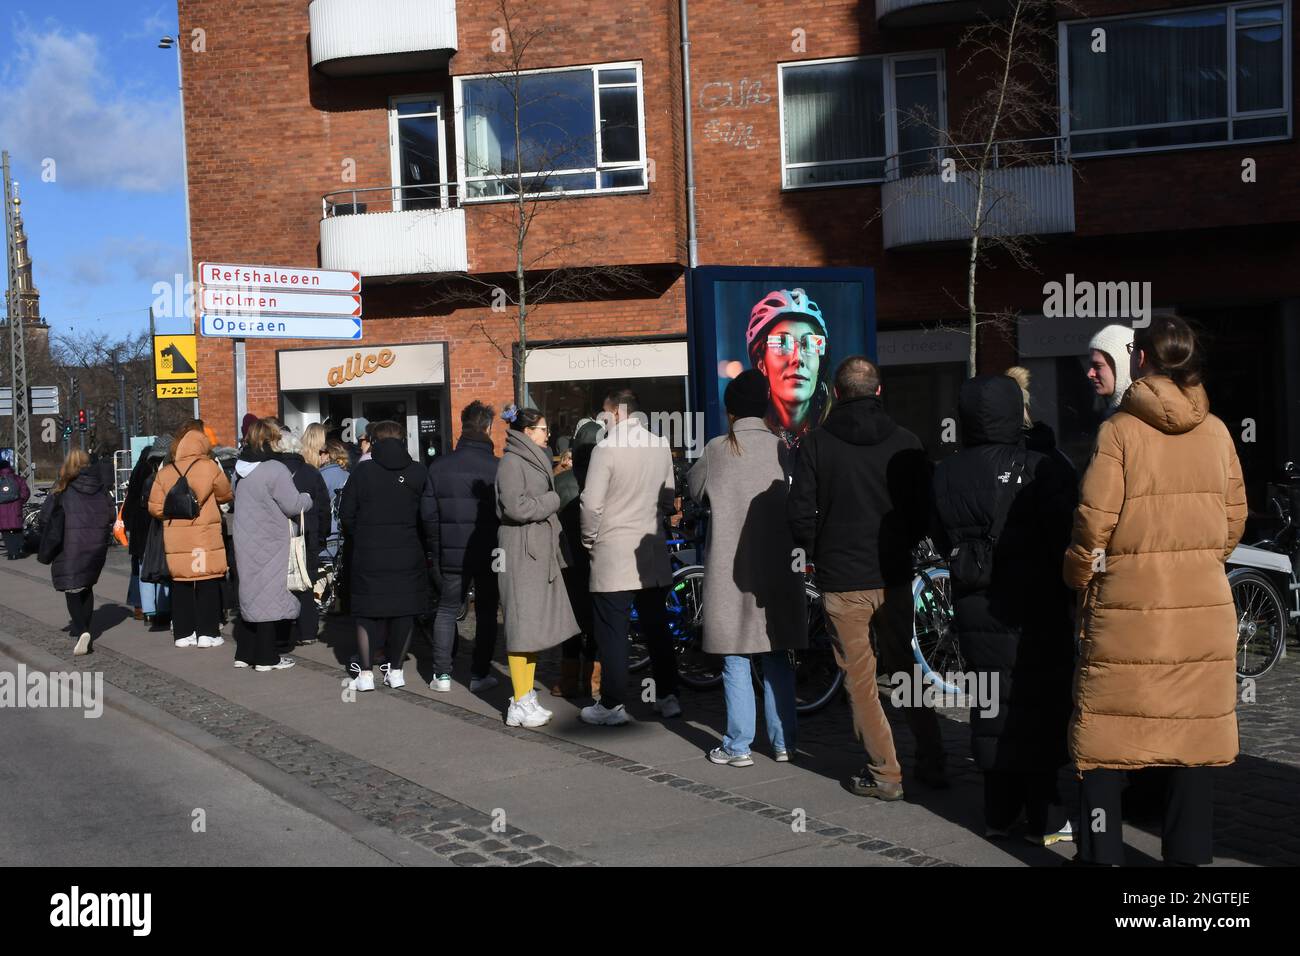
(92, 419)
(81, 419)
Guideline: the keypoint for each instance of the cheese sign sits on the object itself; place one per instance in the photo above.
(262, 301)
(218, 275)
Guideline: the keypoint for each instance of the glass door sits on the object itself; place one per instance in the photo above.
(419, 152)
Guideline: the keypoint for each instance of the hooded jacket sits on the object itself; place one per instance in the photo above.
(308, 479)
(266, 504)
(11, 512)
(88, 516)
(459, 505)
(1161, 508)
(860, 500)
(380, 514)
(196, 550)
(1017, 630)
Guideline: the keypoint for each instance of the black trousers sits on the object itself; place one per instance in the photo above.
(305, 626)
(1007, 792)
(487, 599)
(196, 608)
(611, 612)
(81, 605)
(1188, 834)
(14, 544)
(255, 644)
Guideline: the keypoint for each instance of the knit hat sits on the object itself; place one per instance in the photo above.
(246, 424)
(746, 395)
(1114, 341)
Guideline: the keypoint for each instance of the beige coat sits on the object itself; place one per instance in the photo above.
(196, 550)
(629, 491)
(1163, 504)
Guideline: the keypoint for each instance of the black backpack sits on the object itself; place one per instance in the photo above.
(8, 490)
(180, 501)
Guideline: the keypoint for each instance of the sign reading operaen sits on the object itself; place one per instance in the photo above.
(356, 366)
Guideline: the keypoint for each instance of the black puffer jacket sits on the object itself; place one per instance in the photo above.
(860, 499)
(135, 507)
(308, 479)
(88, 516)
(459, 505)
(380, 514)
(1018, 630)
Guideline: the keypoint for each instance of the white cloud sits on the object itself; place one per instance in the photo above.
(155, 25)
(58, 102)
(117, 258)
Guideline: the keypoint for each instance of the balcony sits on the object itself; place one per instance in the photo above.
(366, 37)
(394, 231)
(919, 13)
(1029, 191)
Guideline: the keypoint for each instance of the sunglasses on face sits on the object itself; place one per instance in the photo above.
(782, 343)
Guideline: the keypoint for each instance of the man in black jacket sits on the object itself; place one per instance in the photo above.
(458, 511)
(858, 506)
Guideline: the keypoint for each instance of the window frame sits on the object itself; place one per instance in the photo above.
(1233, 114)
(890, 113)
(463, 179)
(395, 144)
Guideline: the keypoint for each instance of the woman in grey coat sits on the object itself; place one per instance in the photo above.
(534, 603)
(753, 594)
(265, 501)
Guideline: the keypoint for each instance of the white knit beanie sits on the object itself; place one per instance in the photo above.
(1114, 340)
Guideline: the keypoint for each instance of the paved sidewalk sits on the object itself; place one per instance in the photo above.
(442, 770)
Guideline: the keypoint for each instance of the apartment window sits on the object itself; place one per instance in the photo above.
(415, 142)
(580, 131)
(1181, 78)
(842, 119)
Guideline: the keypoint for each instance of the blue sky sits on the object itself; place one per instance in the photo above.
(83, 83)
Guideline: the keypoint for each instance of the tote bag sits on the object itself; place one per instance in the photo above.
(153, 563)
(299, 577)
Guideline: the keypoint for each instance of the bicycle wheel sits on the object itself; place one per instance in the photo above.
(685, 605)
(638, 651)
(1261, 622)
(464, 604)
(817, 674)
(934, 640)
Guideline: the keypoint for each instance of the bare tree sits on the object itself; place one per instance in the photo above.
(1011, 122)
(565, 265)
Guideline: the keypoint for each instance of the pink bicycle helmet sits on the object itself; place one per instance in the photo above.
(775, 305)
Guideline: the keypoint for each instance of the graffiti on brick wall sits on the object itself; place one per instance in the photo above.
(726, 95)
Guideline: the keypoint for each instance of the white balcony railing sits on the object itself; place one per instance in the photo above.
(1028, 191)
(394, 231)
(915, 13)
(356, 37)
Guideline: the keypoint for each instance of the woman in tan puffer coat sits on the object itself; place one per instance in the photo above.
(1162, 506)
(196, 553)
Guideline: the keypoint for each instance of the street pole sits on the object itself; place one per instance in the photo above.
(185, 168)
(24, 463)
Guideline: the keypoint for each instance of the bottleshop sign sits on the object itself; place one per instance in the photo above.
(386, 366)
(596, 362)
(278, 302)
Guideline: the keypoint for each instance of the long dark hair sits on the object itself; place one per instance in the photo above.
(1172, 348)
(522, 417)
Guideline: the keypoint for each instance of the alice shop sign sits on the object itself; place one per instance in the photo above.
(377, 367)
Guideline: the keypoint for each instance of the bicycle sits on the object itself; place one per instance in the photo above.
(934, 639)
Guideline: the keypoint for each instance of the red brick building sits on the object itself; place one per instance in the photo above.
(360, 134)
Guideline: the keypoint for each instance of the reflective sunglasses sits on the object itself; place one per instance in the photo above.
(783, 343)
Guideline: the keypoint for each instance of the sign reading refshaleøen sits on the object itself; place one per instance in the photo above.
(278, 302)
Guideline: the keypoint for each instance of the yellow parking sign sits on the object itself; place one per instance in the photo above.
(176, 358)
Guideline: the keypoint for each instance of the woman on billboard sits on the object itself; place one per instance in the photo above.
(786, 340)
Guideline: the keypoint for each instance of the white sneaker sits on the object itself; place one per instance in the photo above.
(601, 715)
(240, 664)
(83, 645)
(211, 641)
(521, 714)
(393, 677)
(283, 664)
(191, 641)
(441, 683)
(365, 680)
(479, 684)
(533, 703)
(668, 706)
